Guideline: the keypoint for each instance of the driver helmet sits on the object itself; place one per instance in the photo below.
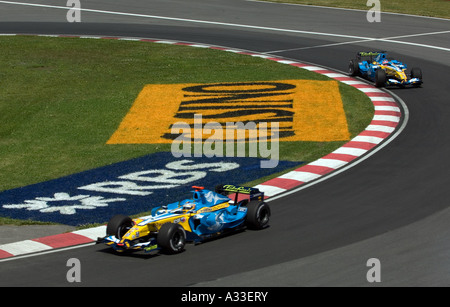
(188, 205)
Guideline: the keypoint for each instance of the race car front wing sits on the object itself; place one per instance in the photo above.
(147, 246)
(412, 81)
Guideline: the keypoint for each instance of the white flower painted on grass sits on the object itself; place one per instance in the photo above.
(82, 202)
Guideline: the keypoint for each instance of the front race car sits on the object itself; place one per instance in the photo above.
(207, 215)
(375, 66)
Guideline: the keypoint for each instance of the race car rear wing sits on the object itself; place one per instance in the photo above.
(368, 55)
(254, 193)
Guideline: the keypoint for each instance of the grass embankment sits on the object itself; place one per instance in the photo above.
(62, 98)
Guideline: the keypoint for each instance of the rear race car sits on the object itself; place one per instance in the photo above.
(206, 215)
(376, 67)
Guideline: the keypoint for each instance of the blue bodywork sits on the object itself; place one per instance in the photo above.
(205, 215)
(368, 63)
(210, 218)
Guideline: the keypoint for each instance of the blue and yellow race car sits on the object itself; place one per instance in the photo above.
(207, 215)
(375, 66)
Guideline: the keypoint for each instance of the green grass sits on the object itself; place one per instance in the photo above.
(431, 8)
(8, 221)
(62, 98)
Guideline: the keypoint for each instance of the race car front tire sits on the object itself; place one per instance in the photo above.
(416, 72)
(119, 225)
(353, 68)
(380, 78)
(171, 238)
(258, 215)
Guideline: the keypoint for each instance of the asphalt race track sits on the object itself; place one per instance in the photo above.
(393, 206)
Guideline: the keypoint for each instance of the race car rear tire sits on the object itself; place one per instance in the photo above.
(380, 78)
(119, 225)
(171, 238)
(353, 68)
(258, 215)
